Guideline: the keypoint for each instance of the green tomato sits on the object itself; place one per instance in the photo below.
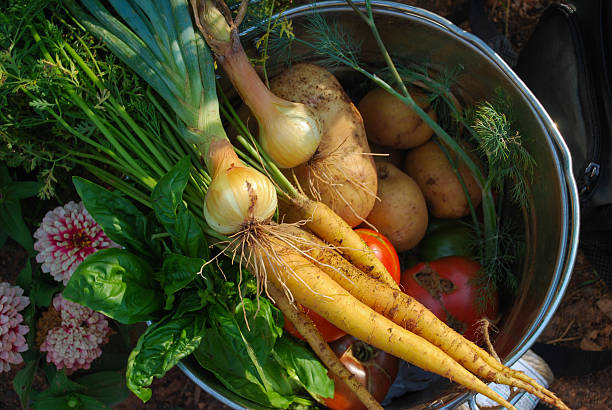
(449, 237)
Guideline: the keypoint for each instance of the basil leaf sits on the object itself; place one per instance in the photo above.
(178, 272)
(160, 348)
(302, 362)
(264, 383)
(116, 283)
(241, 357)
(192, 301)
(173, 214)
(119, 218)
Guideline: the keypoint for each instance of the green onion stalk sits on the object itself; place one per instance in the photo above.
(163, 48)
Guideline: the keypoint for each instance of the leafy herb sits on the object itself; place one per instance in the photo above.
(119, 218)
(239, 348)
(171, 211)
(117, 283)
(304, 366)
(178, 272)
(502, 144)
(160, 348)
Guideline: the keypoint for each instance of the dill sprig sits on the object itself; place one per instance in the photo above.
(332, 43)
(499, 271)
(327, 41)
(502, 144)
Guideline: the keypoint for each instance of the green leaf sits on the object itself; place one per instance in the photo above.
(192, 301)
(119, 218)
(56, 403)
(43, 288)
(22, 383)
(117, 283)
(76, 401)
(61, 385)
(178, 272)
(11, 218)
(242, 357)
(24, 279)
(173, 214)
(64, 393)
(3, 237)
(12, 223)
(298, 359)
(22, 189)
(106, 387)
(160, 348)
(91, 403)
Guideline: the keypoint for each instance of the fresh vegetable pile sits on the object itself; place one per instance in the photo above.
(242, 251)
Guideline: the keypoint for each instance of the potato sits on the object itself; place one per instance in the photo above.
(443, 192)
(341, 174)
(390, 122)
(401, 213)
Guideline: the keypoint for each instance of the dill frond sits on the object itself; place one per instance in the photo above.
(502, 144)
(332, 42)
(499, 271)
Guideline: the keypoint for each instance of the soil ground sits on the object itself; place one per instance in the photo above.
(583, 321)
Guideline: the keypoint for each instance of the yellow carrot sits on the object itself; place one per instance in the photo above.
(412, 315)
(314, 289)
(328, 226)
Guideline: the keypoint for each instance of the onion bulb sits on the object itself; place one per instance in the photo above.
(289, 133)
(237, 197)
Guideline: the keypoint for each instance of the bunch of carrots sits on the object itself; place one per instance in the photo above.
(318, 262)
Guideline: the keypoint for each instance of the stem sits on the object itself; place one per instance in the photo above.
(120, 109)
(247, 82)
(265, 45)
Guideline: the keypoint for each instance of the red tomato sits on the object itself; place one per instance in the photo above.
(447, 287)
(329, 332)
(372, 367)
(383, 249)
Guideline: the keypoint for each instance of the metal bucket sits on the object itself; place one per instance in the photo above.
(551, 223)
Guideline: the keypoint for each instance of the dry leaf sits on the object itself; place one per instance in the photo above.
(588, 344)
(605, 305)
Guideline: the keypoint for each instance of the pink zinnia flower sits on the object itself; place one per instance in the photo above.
(76, 342)
(66, 236)
(12, 340)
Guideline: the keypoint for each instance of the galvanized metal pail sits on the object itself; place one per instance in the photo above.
(551, 223)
